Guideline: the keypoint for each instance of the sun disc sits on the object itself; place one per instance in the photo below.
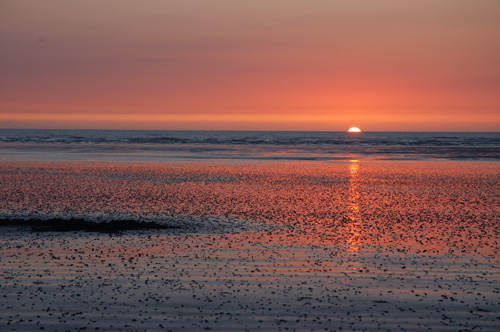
(354, 130)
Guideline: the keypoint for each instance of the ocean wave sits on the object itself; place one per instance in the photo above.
(162, 145)
(249, 138)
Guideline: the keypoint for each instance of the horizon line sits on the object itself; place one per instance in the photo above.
(263, 130)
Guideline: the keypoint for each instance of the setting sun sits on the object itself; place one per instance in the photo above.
(354, 130)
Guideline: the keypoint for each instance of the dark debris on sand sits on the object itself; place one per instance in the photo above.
(69, 225)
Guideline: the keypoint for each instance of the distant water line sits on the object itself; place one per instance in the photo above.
(127, 145)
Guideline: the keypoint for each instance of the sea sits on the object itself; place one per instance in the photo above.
(163, 146)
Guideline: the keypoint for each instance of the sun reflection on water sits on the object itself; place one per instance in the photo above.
(353, 240)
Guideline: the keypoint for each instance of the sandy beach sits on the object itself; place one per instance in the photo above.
(262, 247)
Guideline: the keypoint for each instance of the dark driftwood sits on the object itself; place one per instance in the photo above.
(68, 225)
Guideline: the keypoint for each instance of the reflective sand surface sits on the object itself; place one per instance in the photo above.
(290, 246)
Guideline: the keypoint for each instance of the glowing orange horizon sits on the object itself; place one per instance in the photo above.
(250, 65)
(255, 121)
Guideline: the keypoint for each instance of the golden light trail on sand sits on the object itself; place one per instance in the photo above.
(353, 240)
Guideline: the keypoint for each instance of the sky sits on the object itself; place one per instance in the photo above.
(382, 65)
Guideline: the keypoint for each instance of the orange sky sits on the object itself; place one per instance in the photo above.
(225, 64)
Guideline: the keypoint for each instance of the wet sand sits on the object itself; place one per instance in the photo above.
(261, 247)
